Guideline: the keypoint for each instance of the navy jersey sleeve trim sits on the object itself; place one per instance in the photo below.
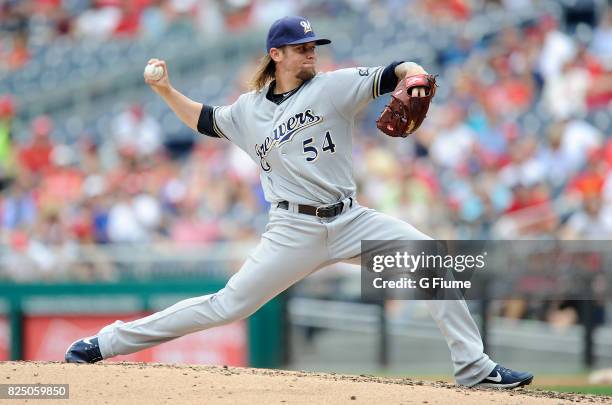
(376, 83)
(217, 129)
(206, 122)
(389, 79)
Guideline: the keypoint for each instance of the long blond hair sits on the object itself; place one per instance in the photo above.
(264, 73)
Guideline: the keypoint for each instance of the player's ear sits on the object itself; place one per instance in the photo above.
(276, 54)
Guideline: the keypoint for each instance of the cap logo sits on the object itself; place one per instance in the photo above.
(306, 25)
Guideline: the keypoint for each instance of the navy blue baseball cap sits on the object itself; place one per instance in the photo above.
(292, 31)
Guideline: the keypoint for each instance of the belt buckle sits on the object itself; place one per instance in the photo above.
(322, 209)
(327, 208)
(317, 212)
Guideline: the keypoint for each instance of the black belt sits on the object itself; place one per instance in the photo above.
(326, 211)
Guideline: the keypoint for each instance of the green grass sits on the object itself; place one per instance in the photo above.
(576, 383)
(581, 389)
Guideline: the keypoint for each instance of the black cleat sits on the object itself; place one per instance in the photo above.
(84, 350)
(502, 377)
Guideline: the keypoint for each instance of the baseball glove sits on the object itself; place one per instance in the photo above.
(405, 113)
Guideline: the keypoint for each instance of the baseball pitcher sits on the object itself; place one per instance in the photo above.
(296, 124)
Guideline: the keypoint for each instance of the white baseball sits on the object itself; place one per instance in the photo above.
(154, 72)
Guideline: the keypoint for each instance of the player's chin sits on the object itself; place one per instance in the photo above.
(307, 73)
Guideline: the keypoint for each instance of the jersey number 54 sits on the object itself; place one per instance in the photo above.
(311, 151)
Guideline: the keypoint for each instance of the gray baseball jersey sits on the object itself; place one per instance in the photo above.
(303, 145)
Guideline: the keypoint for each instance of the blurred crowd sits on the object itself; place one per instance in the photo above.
(134, 189)
(26, 25)
(477, 169)
(35, 23)
(514, 151)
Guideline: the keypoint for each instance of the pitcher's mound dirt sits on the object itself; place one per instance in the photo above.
(152, 384)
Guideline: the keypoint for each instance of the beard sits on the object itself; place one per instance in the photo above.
(307, 74)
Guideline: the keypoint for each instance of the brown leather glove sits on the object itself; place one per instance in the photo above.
(405, 113)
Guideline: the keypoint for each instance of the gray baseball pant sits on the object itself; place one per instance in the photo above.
(292, 247)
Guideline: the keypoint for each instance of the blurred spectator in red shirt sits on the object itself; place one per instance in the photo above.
(82, 223)
(63, 180)
(532, 210)
(19, 55)
(36, 155)
(591, 180)
(237, 14)
(599, 91)
(510, 93)
(447, 9)
(526, 196)
(129, 24)
(190, 229)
